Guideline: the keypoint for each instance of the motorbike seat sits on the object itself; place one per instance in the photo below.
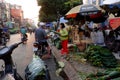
(4, 51)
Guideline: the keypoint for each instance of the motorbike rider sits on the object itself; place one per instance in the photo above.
(23, 31)
(6, 32)
(41, 37)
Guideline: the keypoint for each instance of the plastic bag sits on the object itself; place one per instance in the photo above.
(35, 68)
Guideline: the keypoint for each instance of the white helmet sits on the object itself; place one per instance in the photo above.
(41, 24)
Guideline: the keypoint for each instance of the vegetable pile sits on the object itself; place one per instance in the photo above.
(106, 75)
(58, 45)
(100, 56)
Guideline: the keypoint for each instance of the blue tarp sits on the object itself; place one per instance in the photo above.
(49, 24)
(62, 20)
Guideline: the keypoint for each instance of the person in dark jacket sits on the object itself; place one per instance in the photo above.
(41, 37)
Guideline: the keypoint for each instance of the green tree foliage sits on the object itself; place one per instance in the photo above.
(72, 3)
(52, 9)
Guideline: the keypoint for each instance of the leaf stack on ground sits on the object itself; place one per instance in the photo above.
(100, 57)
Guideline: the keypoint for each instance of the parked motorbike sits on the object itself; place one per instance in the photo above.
(9, 70)
(55, 38)
(7, 35)
(4, 38)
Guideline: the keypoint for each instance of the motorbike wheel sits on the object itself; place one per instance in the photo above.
(26, 77)
(8, 37)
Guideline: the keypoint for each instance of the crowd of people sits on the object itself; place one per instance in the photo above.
(103, 36)
(41, 37)
(98, 35)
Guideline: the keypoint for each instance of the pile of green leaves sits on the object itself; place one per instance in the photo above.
(57, 43)
(100, 56)
(106, 75)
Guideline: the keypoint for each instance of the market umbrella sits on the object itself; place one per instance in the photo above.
(112, 8)
(114, 22)
(85, 11)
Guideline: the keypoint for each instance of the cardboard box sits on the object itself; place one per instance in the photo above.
(75, 36)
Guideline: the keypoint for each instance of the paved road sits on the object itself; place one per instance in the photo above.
(23, 56)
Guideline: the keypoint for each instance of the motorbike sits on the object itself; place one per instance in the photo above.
(7, 35)
(37, 69)
(9, 70)
(39, 49)
(3, 39)
(24, 38)
(55, 38)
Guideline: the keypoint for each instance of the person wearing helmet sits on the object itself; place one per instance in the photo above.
(23, 32)
(41, 36)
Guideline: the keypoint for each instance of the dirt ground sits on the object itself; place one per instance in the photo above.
(85, 68)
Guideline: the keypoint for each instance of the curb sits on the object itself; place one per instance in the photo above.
(68, 69)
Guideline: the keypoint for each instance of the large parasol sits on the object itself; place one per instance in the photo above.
(86, 11)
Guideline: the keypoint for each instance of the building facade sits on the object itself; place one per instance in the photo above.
(16, 13)
(3, 14)
(10, 14)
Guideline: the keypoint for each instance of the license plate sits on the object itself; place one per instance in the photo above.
(35, 49)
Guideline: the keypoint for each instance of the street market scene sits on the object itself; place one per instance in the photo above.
(60, 40)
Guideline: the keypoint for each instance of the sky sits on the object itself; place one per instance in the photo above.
(110, 1)
(104, 2)
(30, 8)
